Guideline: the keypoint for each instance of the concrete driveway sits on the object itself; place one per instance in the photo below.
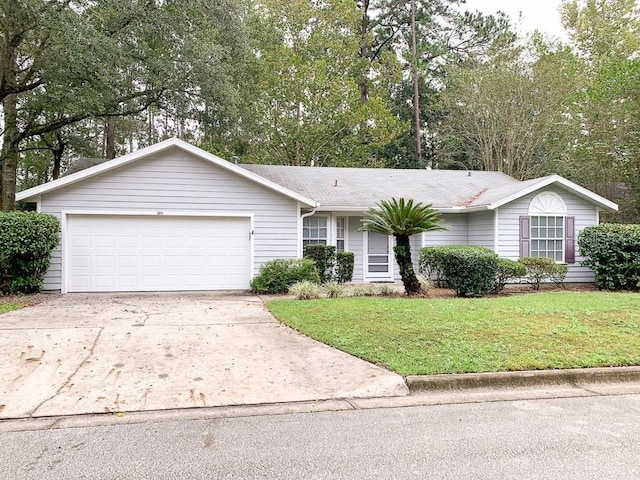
(80, 353)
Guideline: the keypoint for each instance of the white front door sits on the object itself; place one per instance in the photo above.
(378, 260)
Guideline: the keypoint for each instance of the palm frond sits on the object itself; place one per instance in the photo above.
(401, 217)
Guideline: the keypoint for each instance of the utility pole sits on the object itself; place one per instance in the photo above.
(416, 89)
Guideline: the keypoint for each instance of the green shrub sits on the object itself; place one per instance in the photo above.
(539, 269)
(508, 270)
(466, 269)
(276, 276)
(305, 290)
(334, 290)
(324, 257)
(344, 267)
(425, 283)
(612, 251)
(430, 264)
(26, 242)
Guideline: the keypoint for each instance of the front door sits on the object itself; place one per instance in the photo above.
(378, 257)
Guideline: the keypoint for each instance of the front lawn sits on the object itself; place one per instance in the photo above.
(520, 332)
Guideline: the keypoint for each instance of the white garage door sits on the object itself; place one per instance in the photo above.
(119, 253)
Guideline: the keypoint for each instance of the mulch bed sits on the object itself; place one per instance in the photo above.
(25, 300)
(514, 290)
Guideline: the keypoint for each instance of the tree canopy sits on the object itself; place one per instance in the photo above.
(330, 82)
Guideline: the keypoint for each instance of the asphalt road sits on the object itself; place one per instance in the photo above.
(585, 438)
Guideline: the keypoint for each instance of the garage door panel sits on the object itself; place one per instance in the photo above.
(144, 253)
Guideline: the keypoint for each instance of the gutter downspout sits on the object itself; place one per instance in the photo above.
(302, 217)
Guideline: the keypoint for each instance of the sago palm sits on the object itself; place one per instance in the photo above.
(403, 218)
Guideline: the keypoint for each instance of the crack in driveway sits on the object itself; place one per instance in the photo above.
(68, 381)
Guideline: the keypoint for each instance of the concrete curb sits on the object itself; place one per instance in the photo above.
(530, 378)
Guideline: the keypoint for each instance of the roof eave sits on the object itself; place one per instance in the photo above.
(352, 208)
(158, 147)
(557, 179)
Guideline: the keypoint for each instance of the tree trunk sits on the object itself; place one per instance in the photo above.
(10, 153)
(402, 251)
(110, 143)
(416, 88)
(365, 49)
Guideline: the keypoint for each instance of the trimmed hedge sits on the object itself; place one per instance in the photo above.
(344, 267)
(276, 276)
(612, 251)
(540, 269)
(430, 263)
(508, 270)
(26, 242)
(324, 257)
(466, 269)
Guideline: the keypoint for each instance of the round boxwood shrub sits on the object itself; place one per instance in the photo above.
(508, 271)
(467, 270)
(276, 276)
(26, 242)
(543, 269)
(612, 251)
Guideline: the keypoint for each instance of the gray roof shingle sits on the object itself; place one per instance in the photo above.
(364, 187)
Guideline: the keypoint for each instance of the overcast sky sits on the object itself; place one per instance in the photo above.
(542, 15)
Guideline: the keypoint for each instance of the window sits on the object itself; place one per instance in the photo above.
(547, 237)
(548, 231)
(314, 231)
(341, 223)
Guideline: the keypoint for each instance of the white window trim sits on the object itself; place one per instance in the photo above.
(346, 232)
(563, 239)
(548, 204)
(329, 228)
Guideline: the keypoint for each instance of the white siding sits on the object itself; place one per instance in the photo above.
(509, 228)
(355, 242)
(175, 180)
(457, 233)
(480, 228)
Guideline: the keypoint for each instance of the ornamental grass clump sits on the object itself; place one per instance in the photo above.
(305, 290)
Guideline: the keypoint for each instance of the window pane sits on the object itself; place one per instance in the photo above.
(340, 245)
(378, 268)
(314, 231)
(547, 240)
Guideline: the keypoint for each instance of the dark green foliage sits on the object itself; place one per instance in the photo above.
(26, 242)
(466, 269)
(612, 251)
(324, 257)
(344, 267)
(508, 270)
(540, 269)
(430, 263)
(276, 276)
(402, 218)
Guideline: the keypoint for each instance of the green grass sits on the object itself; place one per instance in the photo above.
(520, 332)
(7, 307)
